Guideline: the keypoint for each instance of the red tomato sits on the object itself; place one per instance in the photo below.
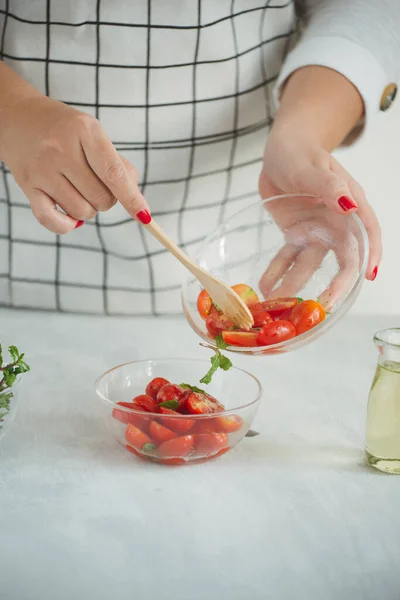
(177, 424)
(182, 408)
(228, 424)
(205, 425)
(204, 304)
(307, 315)
(209, 443)
(145, 402)
(161, 434)
(240, 338)
(202, 404)
(276, 332)
(155, 386)
(261, 317)
(246, 293)
(177, 448)
(216, 324)
(171, 391)
(131, 417)
(277, 306)
(136, 438)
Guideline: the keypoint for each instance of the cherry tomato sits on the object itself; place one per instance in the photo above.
(182, 407)
(205, 425)
(277, 306)
(209, 443)
(204, 304)
(155, 386)
(307, 315)
(136, 438)
(171, 391)
(202, 404)
(126, 417)
(247, 294)
(179, 425)
(228, 424)
(216, 324)
(261, 317)
(276, 332)
(145, 402)
(161, 434)
(177, 448)
(240, 338)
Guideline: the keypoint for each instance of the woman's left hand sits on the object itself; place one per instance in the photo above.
(294, 164)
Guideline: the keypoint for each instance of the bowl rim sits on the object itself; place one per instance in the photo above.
(108, 401)
(299, 340)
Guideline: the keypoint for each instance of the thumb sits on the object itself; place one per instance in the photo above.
(330, 188)
(141, 209)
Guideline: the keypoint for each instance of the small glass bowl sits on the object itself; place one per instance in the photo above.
(240, 250)
(9, 400)
(199, 437)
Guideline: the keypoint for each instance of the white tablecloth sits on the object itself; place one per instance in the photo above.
(291, 514)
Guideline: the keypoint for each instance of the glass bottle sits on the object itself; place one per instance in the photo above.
(383, 417)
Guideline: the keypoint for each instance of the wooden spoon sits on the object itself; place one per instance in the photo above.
(227, 300)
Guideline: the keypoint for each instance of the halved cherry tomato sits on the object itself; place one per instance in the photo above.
(240, 338)
(179, 425)
(171, 391)
(136, 438)
(260, 317)
(247, 294)
(276, 332)
(307, 315)
(277, 306)
(161, 434)
(209, 443)
(204, 304)
(145, 402)
(228, 424)
(155, 386)
(177, 448)
(202, 404)
(206, 425)
(216, 324)
(126, 417)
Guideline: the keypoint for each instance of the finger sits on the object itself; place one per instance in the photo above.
(83, 178)
(329, 187)
(69, 199)
(110, 169)
(369, 219)
(45, 211)
(304, 266)
(278, 266)
(342, 282)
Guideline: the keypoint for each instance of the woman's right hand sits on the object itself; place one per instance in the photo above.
(61, 157)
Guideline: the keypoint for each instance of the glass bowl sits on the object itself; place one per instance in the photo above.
(196, 437)
(294, 225)
(9, 402)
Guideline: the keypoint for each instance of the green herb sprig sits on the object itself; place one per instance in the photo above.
(219, 361)
(8, 375)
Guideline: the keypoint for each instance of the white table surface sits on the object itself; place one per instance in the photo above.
(291, 514)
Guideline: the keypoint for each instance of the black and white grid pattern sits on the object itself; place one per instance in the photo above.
(183, 89)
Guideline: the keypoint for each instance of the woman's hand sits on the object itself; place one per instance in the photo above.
(61, 157)
(297, 160)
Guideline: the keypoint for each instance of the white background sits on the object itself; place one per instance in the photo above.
(375, 162)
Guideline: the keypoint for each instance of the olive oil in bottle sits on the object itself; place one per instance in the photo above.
(383, 418)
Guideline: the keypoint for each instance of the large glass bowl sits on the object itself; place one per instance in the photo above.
(206, 436)
(241, 249)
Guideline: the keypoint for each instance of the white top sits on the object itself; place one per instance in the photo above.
(291, 514)
(184, 90)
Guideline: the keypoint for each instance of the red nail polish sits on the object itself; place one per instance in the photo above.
(374, 274)
(346, 203)
(144, 216)
(79, 224)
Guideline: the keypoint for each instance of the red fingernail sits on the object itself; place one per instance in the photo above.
(79, 224)
(346, 203)
(374, 274)
(144, 216)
